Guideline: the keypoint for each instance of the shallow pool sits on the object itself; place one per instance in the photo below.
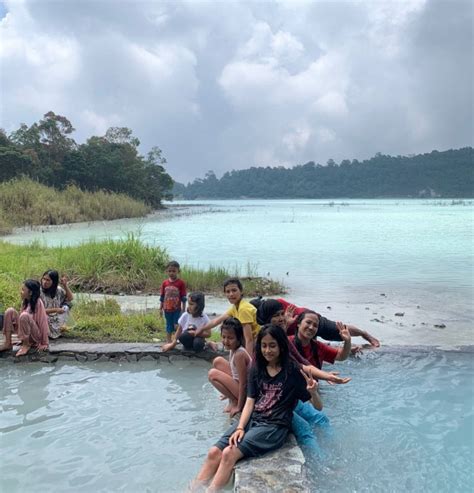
(404, 423)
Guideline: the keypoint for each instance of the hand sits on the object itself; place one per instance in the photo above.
(334, 378)
(290, 315)
(60, 311)
(343, 332)
(161, 312)
(311, 385)
(167, 347)
(63, 280)
(192, 332)
(236, 437)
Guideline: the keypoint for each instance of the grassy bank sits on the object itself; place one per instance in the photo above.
(123, 266)
(24, 202)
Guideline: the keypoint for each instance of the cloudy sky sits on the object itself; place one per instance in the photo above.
(227, 85)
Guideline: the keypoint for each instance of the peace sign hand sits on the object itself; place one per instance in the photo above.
(311, 384)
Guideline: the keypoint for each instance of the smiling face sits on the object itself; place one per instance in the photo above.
(46, 282)
(233, 293)
(229, 339)
(270, 349)
(308, 327)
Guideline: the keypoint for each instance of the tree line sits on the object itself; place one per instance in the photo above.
(46, 152)
(435, 174)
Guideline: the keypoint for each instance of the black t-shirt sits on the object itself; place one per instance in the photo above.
(276, 397)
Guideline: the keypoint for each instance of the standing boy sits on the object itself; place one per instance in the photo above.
(172, 298)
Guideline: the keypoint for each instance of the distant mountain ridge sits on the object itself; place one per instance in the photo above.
(436, 174)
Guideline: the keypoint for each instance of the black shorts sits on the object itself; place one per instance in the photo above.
(259, 438)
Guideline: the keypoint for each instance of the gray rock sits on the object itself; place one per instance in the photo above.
(280, 471)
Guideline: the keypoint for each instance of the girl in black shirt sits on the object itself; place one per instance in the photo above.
(275, 384)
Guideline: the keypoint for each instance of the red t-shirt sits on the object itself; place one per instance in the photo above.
(316, 352)
(172, 293)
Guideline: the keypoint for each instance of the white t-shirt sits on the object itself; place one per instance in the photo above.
(186, 321)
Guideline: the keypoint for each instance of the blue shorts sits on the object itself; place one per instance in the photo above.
(172, 320)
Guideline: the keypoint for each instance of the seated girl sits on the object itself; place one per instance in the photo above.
(314, 351)
(31, 323)
(230, 377)
(190, 331)
(275, 384)
(56, 301)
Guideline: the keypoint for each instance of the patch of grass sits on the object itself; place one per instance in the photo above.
(117, 266)
(24, 202)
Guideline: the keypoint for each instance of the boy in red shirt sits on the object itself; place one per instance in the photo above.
(172, 298)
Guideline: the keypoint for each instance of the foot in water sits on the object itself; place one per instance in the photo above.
(373, 340)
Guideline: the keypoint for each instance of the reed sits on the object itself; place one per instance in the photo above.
(24, 202)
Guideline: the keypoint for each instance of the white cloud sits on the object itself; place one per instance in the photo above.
(230, 85)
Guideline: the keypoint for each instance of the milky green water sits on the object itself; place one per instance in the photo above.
(360, 261)
(404, 423)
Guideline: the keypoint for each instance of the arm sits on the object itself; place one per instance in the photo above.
(201, 331)
(356, 332)
(312, 388)
(239, 432)
(51, 311)
(172, 345)
(214, 322)
(344, 351)
(249, 346)
(64, 283)
(331, 376)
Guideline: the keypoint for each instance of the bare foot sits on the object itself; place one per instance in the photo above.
(228, 408)
(356, 349)
(6, 347)
(222, 397)
(22, 351)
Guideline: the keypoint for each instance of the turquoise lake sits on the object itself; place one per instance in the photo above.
(360, 261)
(404, 423)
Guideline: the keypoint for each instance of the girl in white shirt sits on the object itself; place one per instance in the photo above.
(190, 323)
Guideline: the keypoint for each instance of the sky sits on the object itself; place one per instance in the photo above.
(228, 85)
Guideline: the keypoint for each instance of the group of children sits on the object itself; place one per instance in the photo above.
(270, 378)
(275, 361)
(43, 314)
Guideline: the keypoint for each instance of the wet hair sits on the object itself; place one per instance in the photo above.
(54, 276)
(266, 310)
(234, 324)
(233, 280)
(198, 298)
(172, 263)
(35, 287)
(282, 340)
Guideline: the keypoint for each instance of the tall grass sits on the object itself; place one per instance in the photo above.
(115, 266)
(24, 202)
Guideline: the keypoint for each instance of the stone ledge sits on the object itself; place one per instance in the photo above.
(116, 351)
(280, 471)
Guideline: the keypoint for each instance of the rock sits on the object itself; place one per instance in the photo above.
(280, 471)
(399, 314)
(377, 320)
(383, 294)
(440, 326)
(328, 307)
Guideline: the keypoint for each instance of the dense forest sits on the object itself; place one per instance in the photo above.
(435, 174)
(47, 153)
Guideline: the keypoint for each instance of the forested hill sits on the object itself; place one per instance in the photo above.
(435, 174)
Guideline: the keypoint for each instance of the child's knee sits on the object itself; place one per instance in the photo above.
(218, 361)
(212, 374)
(229, 455)
(214, 454)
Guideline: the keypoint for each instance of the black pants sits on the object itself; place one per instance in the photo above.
(192, 343)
